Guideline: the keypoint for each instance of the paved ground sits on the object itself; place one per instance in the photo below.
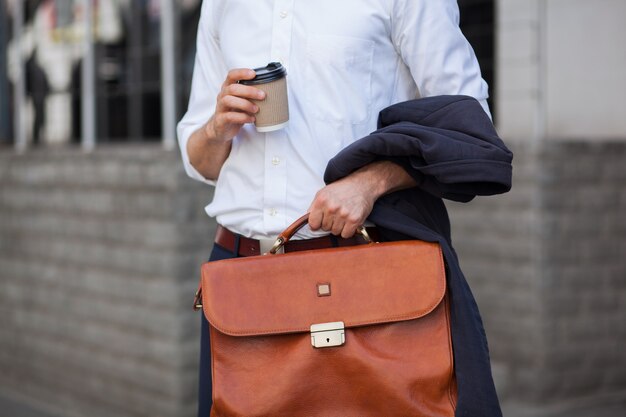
(615, 408)
(12, 408)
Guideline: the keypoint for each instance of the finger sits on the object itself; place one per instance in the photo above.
(338, 226)
(239, 104)
(237, 74)
(234, 118)
(315, 219)
(348, 231)
(244, 91)
(327, 221)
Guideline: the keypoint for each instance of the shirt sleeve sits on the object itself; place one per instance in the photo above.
(209, 73)
(426, 34)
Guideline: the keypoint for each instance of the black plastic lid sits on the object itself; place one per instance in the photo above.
(272, 72)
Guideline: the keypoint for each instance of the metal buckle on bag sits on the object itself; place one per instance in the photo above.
(267, 245)
(197, 300)
(328, 334)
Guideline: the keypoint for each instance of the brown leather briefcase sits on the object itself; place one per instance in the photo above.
(342, 332)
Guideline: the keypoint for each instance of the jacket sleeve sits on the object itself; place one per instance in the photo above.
(446, 143)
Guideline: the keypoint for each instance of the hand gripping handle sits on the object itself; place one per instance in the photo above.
(288, 233)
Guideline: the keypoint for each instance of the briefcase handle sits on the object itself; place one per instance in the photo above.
(288, 233)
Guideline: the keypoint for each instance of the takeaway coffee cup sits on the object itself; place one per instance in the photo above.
(273, 112)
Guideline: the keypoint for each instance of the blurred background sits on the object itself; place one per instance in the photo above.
(102, 234)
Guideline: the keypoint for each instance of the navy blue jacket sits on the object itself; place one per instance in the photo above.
(450, 147)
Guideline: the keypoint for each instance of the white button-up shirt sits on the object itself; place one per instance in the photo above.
(346, 60)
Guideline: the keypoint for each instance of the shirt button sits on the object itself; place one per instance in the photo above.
(273, 212)
(283, 14)
(275, 160)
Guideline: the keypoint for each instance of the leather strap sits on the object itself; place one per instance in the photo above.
(251, 247)
(293, 228)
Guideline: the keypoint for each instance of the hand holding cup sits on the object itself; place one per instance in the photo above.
(274, 109)
(234, 105)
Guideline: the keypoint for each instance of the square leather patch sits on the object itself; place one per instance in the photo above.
(323, 290)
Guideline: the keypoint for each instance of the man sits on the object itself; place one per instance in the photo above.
(346, 61)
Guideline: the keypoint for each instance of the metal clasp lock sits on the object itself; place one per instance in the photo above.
(328, 334)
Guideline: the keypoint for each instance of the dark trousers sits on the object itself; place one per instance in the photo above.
(205, 397)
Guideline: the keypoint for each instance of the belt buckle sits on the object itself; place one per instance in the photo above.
(266, 244)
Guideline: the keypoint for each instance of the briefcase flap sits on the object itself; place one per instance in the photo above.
(358, 285)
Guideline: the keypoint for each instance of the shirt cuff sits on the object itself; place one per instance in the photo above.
(184, 133)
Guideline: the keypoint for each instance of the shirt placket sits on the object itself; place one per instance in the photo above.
(275, 191)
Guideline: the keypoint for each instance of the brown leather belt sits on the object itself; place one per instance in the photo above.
(251, 247)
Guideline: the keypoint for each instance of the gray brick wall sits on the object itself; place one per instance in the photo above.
(99, 258)
(585, 268)
(547, 263)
